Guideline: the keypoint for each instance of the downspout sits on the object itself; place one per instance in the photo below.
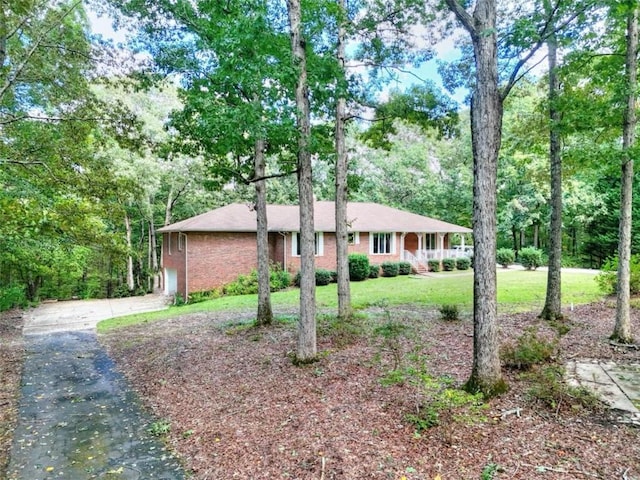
(186, 269)
(162, 269)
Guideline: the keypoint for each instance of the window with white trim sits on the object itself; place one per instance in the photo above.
(295, 244)
(353, 238)
(430, 242)
(382, 243)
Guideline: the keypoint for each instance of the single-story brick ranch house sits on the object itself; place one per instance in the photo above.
(212, 249)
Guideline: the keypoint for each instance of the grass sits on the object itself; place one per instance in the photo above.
(517, 291)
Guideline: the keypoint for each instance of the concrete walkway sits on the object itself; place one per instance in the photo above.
(616, 385)
(78, 418)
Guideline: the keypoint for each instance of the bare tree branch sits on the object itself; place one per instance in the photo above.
(462, 15)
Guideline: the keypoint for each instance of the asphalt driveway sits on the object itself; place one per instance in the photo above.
(78, 419)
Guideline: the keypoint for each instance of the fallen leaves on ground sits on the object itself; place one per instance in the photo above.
(11, 358)
(239, 408)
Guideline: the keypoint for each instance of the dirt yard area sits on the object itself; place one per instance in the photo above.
(239, 408)
(11, 358)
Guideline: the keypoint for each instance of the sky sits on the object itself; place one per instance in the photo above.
(445, 50)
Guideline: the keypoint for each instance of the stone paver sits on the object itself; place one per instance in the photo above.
(617, 385)
(78, 419)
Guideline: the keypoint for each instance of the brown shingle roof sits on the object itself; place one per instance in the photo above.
(362, 217)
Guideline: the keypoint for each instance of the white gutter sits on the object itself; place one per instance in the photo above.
(186, 267)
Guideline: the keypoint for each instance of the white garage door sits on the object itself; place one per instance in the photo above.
(170, 281)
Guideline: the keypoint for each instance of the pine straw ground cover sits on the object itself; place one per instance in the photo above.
(11, 359)
(239, 408)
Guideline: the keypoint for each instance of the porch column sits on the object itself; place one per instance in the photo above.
(402, 235)
(441, 242)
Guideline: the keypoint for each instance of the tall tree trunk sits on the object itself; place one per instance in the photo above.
(169, 207)
(307, 348)
(265, 314)
(552, 309)
(153, 252)
(127, 225)
(486, 131)
(622, 329)
(342, 195)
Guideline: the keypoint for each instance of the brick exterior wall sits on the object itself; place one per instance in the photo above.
(328, 259)
(215, 259)
(174, 257)
(218, 258)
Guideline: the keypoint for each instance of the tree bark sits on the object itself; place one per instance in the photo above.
(169, 207)
(342, 194)
(552, 309)
(127, 225)
(154, 266)
(265, 313)
(486, 131)
(622, 329)
(306, 348)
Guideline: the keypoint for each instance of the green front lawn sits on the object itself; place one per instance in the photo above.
(518, 290)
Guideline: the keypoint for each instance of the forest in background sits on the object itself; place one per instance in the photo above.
(99, 145)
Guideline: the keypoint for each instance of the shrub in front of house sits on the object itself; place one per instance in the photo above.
(242, 285)
(279, 279)
(358, 267)
(390, 269)
(374, 270)
(530, 258)
(463, 263)
(404, 268)
(334, 276)
(203, 296)
(434, 265)
(323, 277)
(505, 257)
(448, 264)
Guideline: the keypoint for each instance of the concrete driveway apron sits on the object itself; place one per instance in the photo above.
(78, 419)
